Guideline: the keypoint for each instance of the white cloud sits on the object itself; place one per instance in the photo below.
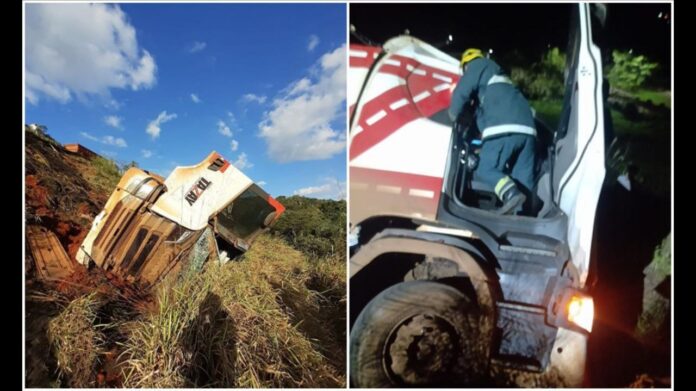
(229, 127)
(89, 136)
(115, 141)
(234, 144)
(113, 121)
(82, 49)
(195, 98)
(299, 86)
(147, 153)
(153, 128)
(313, 42)
(108, 140)
(145, 74)
(305, 191)
(197, 47)
(232, 120)
(113, 104)
(223, 129)
(36, 84)
(242, 162)
(261, 183)
(332, 188)
(260, 99)
(299, 125)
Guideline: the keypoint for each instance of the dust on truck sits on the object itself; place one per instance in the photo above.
(444, 292)
(149, 225)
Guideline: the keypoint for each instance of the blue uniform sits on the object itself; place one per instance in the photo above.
(506, 122)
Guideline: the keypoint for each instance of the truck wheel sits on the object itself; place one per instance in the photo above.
(418, 333)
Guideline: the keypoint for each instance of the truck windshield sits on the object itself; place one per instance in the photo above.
(244, 216)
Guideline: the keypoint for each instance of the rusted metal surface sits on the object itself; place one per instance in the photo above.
(49, 256)
(141, 245)
(137, 237)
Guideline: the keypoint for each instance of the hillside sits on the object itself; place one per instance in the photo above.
(275, 317)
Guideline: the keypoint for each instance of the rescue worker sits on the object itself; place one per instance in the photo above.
(506, 122)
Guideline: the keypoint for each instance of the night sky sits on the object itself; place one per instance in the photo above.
(527, 28)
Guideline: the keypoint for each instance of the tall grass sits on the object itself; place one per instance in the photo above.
(251, 323)
(77, 340)
(274, 318)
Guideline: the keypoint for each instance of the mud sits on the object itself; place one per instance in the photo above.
(119, 301)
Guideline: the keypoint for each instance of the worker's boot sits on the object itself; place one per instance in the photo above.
(512, 200)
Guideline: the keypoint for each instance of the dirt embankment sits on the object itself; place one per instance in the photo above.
(61, 194)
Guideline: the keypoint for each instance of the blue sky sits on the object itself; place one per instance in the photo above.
(165, 84)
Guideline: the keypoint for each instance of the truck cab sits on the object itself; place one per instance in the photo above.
(445, 292)
(149, 224)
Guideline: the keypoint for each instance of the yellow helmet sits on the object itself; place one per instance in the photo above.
(470, 54)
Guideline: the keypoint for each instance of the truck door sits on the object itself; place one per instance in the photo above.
(578, 165)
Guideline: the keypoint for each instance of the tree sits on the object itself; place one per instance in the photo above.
(543, 79)
(125, 167)
(629, 71)
(313, 226)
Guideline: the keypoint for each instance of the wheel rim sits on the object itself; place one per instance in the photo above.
(421, 350)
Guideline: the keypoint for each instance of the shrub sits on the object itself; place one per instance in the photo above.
(544, 79)
(107, 173)
(314, 226)
(629, 71)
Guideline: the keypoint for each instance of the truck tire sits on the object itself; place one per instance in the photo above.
(418, 334)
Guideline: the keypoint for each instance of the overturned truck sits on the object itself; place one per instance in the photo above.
(444, 291)
(149, 226)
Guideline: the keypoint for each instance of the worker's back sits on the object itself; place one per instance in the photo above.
(501, 106)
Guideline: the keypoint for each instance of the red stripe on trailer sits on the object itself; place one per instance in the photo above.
(391, 122)
(436, 102)
(363, 61)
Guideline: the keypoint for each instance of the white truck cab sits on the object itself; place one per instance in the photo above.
(443, 290)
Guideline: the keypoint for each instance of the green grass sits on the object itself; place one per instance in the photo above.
(548, 111)
(659, 98)
(107, 173)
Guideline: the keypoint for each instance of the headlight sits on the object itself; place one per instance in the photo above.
(581, 311)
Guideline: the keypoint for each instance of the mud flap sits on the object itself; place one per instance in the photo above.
(50, 259)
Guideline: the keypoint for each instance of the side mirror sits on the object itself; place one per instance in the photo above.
(269, 219)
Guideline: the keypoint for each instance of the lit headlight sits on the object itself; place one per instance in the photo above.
(581, 311)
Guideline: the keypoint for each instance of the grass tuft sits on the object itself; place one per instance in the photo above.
(77, 341)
